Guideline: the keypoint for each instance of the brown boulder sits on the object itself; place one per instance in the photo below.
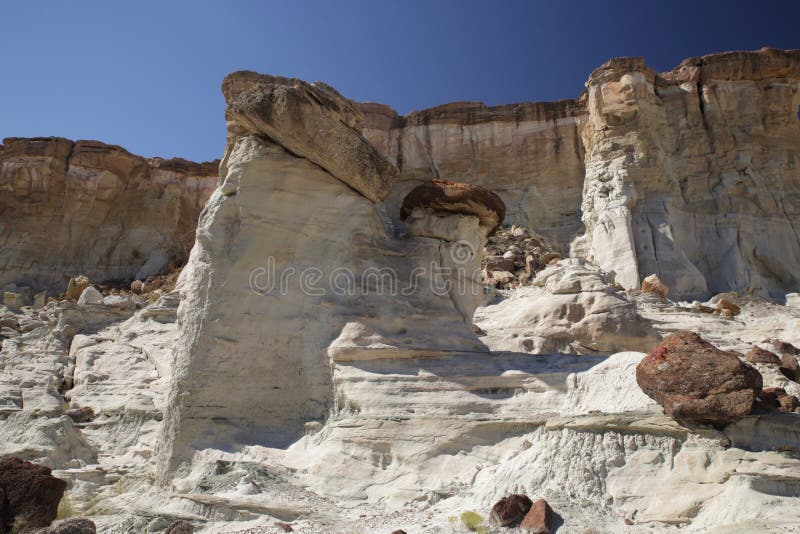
(778, 399)
(762, 356)
(453, 197)
(70, 526)
(539, 519)
(789, 367)
(727, 308)
(510, 510)
(80, 415)
(180, 526)
(786, 348)
(31, 496)
(696, 382)
(653, 285)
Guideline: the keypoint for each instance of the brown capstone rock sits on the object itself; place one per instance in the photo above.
(453, 197)
(510, 510)
(696, 382)
(539, 519)
(31, 495)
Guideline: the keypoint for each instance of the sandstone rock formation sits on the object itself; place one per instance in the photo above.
(312, 209)
(696, 382)
(690, 173)
(87, 208)
(372, 406)
(571, 307)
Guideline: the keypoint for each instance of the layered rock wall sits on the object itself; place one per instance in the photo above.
(85, 207)
(693, 174)
(530, 154)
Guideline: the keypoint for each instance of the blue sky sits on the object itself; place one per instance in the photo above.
(146, 75)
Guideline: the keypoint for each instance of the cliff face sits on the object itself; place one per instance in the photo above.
(692, 174)
(530, 154)
(85, 207)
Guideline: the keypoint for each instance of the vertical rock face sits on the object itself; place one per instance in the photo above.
(530, 154)
(292, 245)
(85, 207)
(693, 174)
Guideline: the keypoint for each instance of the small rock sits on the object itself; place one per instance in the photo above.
(696, 382)
(654, 286)
(137, 286)
(508, 255)
(789, 367)
(785, 348)
(80, 415)
(398, 531)
(499, 263)
(728, 308)
(518, 231)
(702, 308)
(71, 526)
(180, 526)
(510, 510)
(31, 492)
(40, 299)
(285, 527)
(778, 399)
(539, 519)
(477, 330)
(76, 286)
(501, 277)
(90, 295)
(515, 250)
(762, 356)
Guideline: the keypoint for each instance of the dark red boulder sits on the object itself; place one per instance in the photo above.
(510, 510)
(695, 382)
(31, 495)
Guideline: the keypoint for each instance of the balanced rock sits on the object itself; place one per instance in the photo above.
(539, 519)
(510, 510)
(696, 382)
(31, 492)
(653, 285)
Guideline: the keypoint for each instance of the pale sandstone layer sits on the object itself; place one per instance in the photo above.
(84, 207)
(693, 174)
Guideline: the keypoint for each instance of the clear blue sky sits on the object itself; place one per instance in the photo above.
(146, 75)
